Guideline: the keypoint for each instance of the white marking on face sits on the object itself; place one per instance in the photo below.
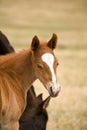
(49, 60)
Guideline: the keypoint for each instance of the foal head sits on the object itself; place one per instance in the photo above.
(45, 63)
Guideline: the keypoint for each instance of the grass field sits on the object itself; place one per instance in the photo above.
(20, 20)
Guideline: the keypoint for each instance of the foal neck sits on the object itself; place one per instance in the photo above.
(25, 68)
(21, 64)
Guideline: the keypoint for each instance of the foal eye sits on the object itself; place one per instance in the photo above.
(39, 66)
(57, 63)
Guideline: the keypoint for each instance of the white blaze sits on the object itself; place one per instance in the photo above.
(49, 60)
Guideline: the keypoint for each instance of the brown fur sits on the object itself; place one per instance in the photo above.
(17, 72)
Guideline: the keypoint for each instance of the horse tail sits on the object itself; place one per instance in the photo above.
(5, 46)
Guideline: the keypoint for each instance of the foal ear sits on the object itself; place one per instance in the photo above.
(52, 42)
(35, 43)
(33, 91)
(46, 102)
(39, 97)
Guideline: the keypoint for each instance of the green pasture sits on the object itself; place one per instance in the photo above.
(20, 20)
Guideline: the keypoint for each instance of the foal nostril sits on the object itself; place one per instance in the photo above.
(51, 90)
(54, 91)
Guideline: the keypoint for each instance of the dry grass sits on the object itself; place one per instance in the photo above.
(20, 20)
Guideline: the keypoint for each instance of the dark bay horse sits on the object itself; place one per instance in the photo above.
(18, 71)
(35, 116)
(5, 46)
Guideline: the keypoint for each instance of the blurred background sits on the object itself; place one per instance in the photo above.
(20, 20)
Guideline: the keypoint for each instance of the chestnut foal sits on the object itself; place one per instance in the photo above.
(35, 115)
(18, 71)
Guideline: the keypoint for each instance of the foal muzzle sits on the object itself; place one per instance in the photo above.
(53, 89)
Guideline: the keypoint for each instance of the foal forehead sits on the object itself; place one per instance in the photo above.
(48, 58)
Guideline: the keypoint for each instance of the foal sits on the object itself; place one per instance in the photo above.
(18, 71)
(35, 116)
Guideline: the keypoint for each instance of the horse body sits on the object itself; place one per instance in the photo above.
(17, 72)
(5, 46)
(16, 80)
(11, 95)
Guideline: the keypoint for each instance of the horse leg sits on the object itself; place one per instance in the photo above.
(10, 126)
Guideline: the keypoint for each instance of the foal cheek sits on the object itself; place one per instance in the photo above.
(44, 77)
(55, 71)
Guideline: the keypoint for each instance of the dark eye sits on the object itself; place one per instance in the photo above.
(57, 63)
(39, 66)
